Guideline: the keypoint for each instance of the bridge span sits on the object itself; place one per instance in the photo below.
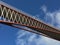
(10, 16)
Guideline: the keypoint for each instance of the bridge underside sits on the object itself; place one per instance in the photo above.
(46, 33)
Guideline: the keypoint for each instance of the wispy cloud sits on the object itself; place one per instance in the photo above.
(27, 38)
(52, 17)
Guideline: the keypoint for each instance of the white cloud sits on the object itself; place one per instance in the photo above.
(54, 19)
(44, 8)
(58, 19)
(49, 41)
(26, 38)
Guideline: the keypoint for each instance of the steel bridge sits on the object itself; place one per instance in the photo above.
(14, 17)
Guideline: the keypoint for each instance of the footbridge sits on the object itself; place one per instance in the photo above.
(14, 17)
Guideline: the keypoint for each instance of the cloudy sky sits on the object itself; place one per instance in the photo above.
(46, 10)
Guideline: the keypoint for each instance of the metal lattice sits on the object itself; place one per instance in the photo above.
(11, 15)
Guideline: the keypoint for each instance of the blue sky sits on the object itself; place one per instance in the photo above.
(46, 10)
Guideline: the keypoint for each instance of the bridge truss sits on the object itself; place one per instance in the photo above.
(13, 17)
